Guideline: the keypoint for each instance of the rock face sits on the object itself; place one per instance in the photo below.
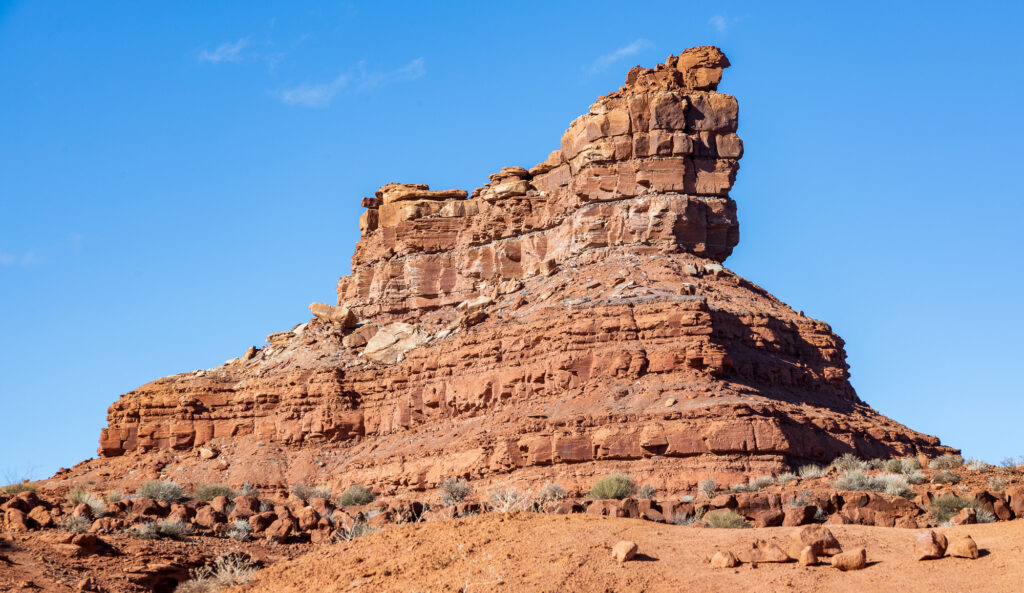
(556, 322)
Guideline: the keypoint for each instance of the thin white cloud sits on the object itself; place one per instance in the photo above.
(321, 95)
(313, 95)
(7, 259)
(722, 23)
(623, 52)
(225, 52)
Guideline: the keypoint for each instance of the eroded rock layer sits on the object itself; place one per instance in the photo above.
(557, 319)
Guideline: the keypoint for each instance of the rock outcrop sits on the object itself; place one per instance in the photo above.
(556, 322)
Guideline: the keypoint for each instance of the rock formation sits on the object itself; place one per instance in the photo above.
(555, 323)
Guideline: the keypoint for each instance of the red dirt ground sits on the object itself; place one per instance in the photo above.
(527, 552)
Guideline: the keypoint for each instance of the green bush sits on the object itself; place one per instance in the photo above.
(454, 491)
(615, 485)
(356, 495)
(945, 507)
(946, 462)
(208, 492)
(161, 490)
(725, 520)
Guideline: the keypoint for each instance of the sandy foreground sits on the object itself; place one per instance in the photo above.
(529, 552)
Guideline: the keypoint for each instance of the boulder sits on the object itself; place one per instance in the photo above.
(41, 517)
(16, 520)
(963, 547)
(807, 557)
(724, 560)
(307, 518)
(966, 516)
(360, 337)
(818, 537)
(854, 559)
(763, 551)
(929, 545)
(390, 344)
(796, 516)
(261, 521)
(221, 504)
(208, 517)
(623, 551)
(280, 530)
(342, 316)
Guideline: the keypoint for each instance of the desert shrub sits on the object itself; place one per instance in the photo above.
(161, 490)
(74, 524)
(944, 507)
(725, 520)
(227, 571)
(356, 495)
(159, 529)
(803, 500)
(646, 491)
(977, 465)
(946, 462)
(916, 478)
(687, 498)
(688, 519)
(708, 487)
(810, 471)
(786, 478)
(615, 485)
(996, 484)
(79, 495)
(859, 480)
(248, 489)
(305, 492)
(848, 462)
(18, 488)
(753, 485)
(359, 528)
(240, 530)
(454, 491)
(208, 492)
(875, 463)
(551, 492)
(945, 477)
(1011, 464)
(114, 496)
(504, 499)
(902, 465)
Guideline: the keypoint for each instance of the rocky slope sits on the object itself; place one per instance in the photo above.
(555, 323)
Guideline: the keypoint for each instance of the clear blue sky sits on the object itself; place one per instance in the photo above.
(178, 180)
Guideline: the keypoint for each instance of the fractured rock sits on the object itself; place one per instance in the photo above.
(929, 545)
(963, 547)
(724, 560)
(623, 551)
(854, 559)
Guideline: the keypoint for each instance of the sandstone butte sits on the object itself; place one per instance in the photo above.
(554, 324)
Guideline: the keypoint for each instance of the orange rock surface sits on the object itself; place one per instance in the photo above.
(555, 323)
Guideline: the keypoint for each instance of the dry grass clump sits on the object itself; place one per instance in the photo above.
(160, 490)
(504, 499)
(454, 491)
(240, 530)
(849, 462)
(646, 491)
(725, 520)
(551, 492)
(685, 519)
(18, 488)
(161, 529)
(79, 495)
(74, 524)
(786, 478)
(945, 477)
(810, 471)
(996, 484)
(305, 492)
(946, 462)
(208, 492)
(856, 479)
(708, 487)
(945, 507)
(902, 465)
(356, 495)
(113, 496)
(615, 485)
(227, 571)
(754, 485)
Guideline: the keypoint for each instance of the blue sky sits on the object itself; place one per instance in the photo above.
(178, 180)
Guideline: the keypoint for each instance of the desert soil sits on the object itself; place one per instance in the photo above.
(528, 552)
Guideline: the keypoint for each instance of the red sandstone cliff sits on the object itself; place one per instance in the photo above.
(553, 323)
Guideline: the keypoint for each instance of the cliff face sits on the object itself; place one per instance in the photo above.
(555, 322)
